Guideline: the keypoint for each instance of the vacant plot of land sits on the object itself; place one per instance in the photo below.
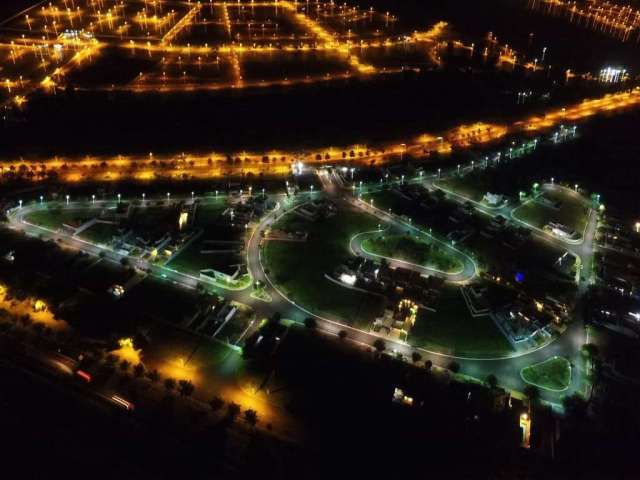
(553, 374)
(572, 210)
(54, 218)
(299, 268)
(100, 233)
(470, 186)
(452, 329)
(410, 249)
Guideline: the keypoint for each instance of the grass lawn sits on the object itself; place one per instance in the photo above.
(299, 268)
(54, 218)
(452, 329)
(472, 186)
(209, 211)
(410, 249)
(573, 212)
(191, 261)
(101, 233)
(385, 200)
(553, 374)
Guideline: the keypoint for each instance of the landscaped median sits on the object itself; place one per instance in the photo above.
(553, 374)
(412, 250)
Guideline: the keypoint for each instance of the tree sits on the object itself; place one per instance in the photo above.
(153, 376)
(251, 417)
(185, 388)
(310, 323)
(233, 410)
(454, 366)
(138, 370)
(575, 406)
(416, 357)
(590, 350)
(342, 334)
(169, 384)
(492, 381)
(216, 403)
(379, 345)
(532, 393)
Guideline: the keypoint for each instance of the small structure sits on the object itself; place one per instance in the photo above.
(493, 199)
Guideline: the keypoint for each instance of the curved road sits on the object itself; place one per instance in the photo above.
(506, 369)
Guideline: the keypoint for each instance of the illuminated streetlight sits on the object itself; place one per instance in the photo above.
(439, 170)
(41, 199)
(119, 197)
(20, 202)
(637, 227)
(168, 196)
(458, 169)
(93, 198)
(67, 199)
(143, 195)
(192, 195)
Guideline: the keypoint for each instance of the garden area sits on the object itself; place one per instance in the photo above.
(553, 374)
(413, 250)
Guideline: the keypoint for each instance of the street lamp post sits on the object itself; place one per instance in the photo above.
(67, 198)
(41, 199)
(93, 199)
(119, 197)
(20, 203)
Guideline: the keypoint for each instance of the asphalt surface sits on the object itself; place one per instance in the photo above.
(507, 369)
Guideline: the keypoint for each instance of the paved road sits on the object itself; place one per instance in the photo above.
(506, 369)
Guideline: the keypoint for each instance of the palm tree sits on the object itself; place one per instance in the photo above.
(251, 417)
(532, 393)
(590, 350)
(185, 387)
(138, 370)
(169, 384)
(379, 345)
(153, 376)
(216, 403)
(233, 410)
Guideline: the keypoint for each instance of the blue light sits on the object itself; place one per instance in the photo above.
(519, 277)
